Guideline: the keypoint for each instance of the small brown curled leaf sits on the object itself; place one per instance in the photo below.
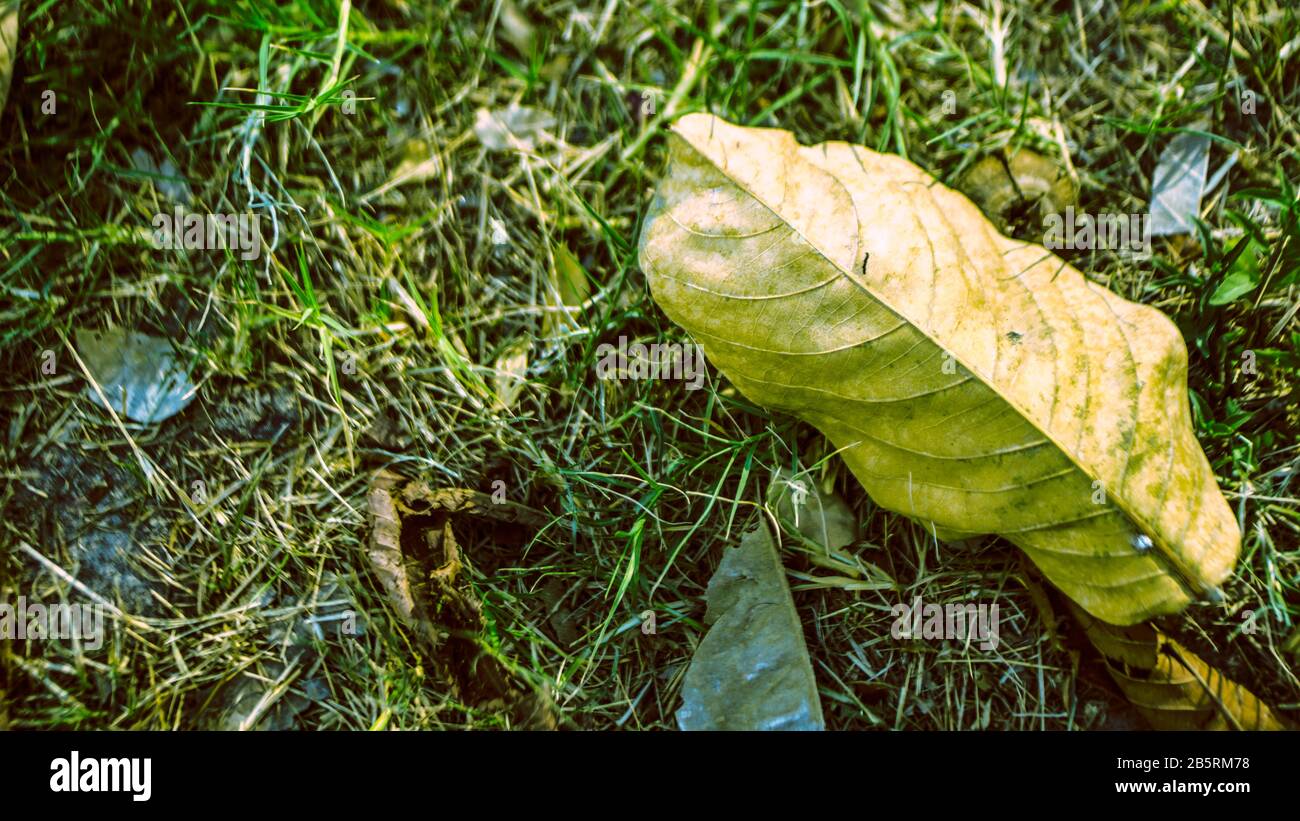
(1019, 186)
(416, 556)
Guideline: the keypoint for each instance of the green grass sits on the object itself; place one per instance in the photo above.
(375, 328)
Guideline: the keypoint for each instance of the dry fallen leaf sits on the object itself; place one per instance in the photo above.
(1172, 687)
(414, 552)
(165, 176)
(1023, 184)
(973, 382)
(822, 525)
(515, 127)
(1178, 183)
(567, 290)
(751, 670)
(823, 519)
(517, 30)
(510, 374)
(138, 374)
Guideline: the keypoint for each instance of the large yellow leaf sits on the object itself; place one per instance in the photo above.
(975, 382)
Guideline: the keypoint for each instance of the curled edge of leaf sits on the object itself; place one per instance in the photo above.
(386, 558)
(1172, 687)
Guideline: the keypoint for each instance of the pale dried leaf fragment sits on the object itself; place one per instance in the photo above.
(516, 29)
(1178, 184)
(973, 382)
(386, 558)
(515, 127)
(419, 496)
(824, 524)
(568, 290)
(510, 374)
(165, 176)
(419, 163)
(823, 518)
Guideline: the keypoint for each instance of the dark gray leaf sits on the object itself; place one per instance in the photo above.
(751, 671)
(139, 374)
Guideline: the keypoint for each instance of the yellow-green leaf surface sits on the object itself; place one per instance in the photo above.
(974, 382)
